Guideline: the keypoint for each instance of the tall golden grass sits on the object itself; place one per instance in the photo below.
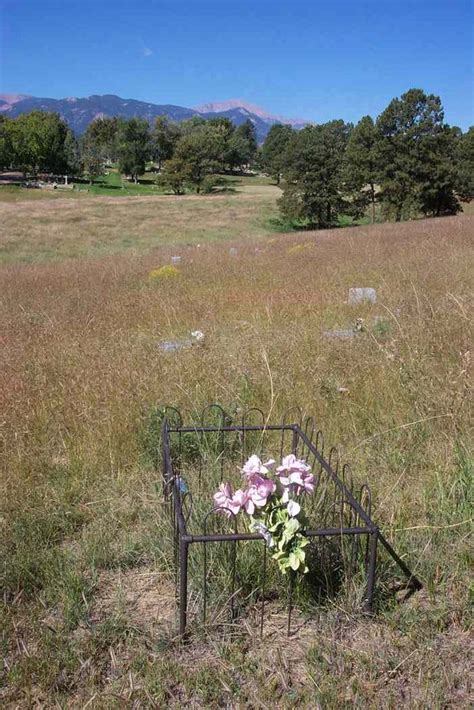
(82, 369)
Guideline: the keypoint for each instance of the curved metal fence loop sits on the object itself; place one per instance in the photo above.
(309, 429)
(172, 415)
(187, 503)
(221, 415)
(365, 497)
(333, 459)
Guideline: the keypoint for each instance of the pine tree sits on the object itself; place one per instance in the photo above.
(245, 134)
(361, 164)
(274, 148)
(414, 154)
(314, 192)
(197, 155)
(465, 165)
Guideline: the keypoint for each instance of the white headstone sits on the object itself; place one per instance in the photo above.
(362, 295)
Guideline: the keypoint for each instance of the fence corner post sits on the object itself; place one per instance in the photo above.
(371, 570)
(183, 585)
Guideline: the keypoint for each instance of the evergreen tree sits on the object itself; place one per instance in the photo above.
(361, 165)
(314, 192)
(191, 124)
(221, 132)
(273, 150)
(414, 151)
(238, 153)
(196, 155)
(438, 173)
(246, 136)
(465, 165)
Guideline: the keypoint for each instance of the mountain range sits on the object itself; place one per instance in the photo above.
(79, 112)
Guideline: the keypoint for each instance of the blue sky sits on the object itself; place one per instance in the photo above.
(315, 59)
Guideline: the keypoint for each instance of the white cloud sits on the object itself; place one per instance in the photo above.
(147, 52)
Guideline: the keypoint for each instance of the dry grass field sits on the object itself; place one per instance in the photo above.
(87, 608)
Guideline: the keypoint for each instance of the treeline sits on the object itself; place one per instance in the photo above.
(409, 161)
(185, 154)
(406, 163)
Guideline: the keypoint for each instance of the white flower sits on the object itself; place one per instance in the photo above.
(197, 335)
(293, 508)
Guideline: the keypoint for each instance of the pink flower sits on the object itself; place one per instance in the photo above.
(296, 475)
(254, 467)
(223, 495)
(239, 498)
(228, 502)
(258, 493)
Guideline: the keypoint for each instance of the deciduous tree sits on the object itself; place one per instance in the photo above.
(72, 154)
(101, 136)
(37, 142)
(133, 147)
(6, 151)
(164, 137)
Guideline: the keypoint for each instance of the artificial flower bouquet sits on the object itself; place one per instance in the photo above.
(269, 499)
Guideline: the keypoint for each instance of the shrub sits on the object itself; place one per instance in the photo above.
(163, 273)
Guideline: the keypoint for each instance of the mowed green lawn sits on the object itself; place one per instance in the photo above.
(87, 607)
(112, 184)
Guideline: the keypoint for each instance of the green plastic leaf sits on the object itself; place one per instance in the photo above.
(294, 561)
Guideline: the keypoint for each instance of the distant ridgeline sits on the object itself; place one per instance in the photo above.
(80, 112)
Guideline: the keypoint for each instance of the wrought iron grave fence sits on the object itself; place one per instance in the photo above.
(197, 458)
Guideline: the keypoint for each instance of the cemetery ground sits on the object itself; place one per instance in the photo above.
(87, 607)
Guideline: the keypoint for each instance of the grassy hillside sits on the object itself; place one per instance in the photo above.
(87, 595)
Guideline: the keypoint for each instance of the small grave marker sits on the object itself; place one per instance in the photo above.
(362, 295)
